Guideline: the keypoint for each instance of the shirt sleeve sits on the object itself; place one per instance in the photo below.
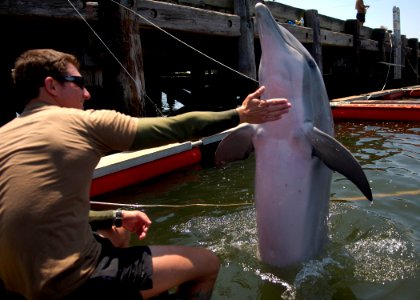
(103, 219)
(153, 132)
(110, 130)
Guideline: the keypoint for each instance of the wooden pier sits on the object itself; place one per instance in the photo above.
(135, 54)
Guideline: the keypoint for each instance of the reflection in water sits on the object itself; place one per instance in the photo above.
(374, 248)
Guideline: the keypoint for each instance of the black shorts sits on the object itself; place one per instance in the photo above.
(120, 273)
(361, 17)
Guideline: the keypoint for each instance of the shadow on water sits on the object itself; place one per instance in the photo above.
(374, 247)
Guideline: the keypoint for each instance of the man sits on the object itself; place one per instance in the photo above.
(47, 158)
(361, 11)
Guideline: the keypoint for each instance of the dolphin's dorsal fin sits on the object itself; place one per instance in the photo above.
(235, 146)
(338, 158)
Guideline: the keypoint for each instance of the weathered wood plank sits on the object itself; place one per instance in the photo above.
(373, 95)
(184, 18)
(179, 15)
(282, 13)
(330, 23)
(164, 15)
(331, 38)
(222, 5)
(328, 38)
(303, 34)
(51, 8)
(369, 45)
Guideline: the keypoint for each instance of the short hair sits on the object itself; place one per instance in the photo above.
(33, 66)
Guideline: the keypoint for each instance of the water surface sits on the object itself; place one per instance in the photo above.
(374, 248)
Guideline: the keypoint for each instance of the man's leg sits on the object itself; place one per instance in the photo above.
(193, 270)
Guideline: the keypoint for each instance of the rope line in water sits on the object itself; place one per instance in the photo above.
(382, 195)
(335, 199)
(168, 205)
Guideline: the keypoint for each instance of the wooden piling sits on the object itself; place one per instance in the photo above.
(413, 62)
(312, 20)
(378, 34)
(125, 82)
(153, 63)
(246, 54)
(352, 27)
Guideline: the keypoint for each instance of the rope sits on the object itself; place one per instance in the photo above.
(389, 66)
(168, 205)
(379, 196)
(165, 32)
(414, 70)
(184, 43)
(394, 195)
(133, 79)
(113, 55)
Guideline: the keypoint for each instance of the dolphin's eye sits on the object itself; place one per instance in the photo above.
(311, 64)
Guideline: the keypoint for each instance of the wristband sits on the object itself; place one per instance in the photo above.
(118, 218)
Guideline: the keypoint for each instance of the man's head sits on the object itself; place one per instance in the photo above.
(34, 66)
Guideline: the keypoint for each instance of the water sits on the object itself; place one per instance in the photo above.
(374, 248)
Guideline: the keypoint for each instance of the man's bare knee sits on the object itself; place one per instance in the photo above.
(193, 270)
(213, 263)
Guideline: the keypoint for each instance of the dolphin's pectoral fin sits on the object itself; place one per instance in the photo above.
(236, 146)
(338, 158)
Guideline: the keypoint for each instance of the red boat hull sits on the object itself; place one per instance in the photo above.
(142, 172)
(383, 112)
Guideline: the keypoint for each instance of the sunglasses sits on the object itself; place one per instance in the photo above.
(77, 80)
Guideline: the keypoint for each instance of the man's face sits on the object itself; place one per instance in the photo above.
(71, 91)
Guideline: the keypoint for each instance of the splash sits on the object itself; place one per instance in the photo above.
(365, 249)
(383, 260)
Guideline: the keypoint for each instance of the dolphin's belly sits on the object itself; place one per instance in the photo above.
(286, 191)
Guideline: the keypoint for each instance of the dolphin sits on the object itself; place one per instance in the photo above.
(295, 156)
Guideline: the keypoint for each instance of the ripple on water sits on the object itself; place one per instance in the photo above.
(380, 251)
(364, 248)
(374, 248)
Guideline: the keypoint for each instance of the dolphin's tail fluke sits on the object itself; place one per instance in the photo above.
(338, 158)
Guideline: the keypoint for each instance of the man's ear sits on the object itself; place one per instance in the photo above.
(50, 85)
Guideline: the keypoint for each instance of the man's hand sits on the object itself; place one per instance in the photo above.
(255, 111)
(136, 221)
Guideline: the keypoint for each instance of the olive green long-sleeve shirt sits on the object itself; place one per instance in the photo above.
(101, 219)
(153, 132)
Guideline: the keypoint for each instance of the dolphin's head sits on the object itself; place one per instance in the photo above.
(288, 70)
